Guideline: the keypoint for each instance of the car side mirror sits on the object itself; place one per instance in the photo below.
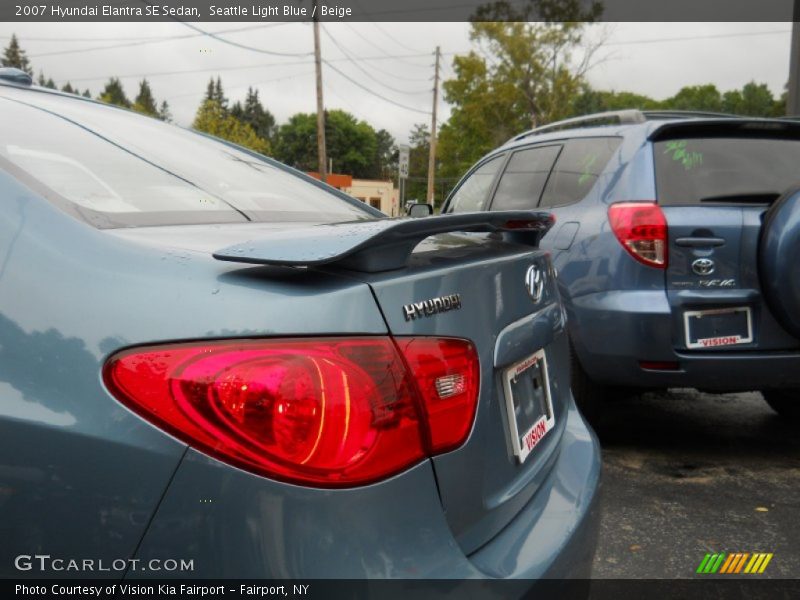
(419, 210)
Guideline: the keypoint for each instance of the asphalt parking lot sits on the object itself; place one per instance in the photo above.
(686, 473)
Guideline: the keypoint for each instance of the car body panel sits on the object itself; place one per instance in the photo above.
(82, 475)
(288, 530)
(481, 484)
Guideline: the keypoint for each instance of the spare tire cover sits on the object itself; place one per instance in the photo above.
(779, 260)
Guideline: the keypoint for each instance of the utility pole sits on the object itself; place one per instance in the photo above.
(321, 159)
(793, 101)
(432, 155)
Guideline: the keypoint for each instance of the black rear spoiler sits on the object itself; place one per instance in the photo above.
(746, 127)
(380, 245)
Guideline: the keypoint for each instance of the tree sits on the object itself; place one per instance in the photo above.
(591, 101)
(164, 113)
(214, 92)
(48, 83)
(386, 156)
(254, 114)
(520, 75)
(419, 141)
(144, 102)
(696, 97)
(214, 119)
(86, 93)
(351, 144)
(15, 56)
(68, 88)
(113, 93)
(754, 100)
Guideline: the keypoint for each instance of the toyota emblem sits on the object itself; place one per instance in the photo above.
(703, 266)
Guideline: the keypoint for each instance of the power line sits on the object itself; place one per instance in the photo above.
(697, 37)
(394, 75)
(222, 69)
(137, 38)
(374, 93)
(377, 46)
(365, 72)
(243, 46)
(146, 42)
(249, 84)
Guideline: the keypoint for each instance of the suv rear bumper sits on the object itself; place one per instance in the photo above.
(614, 332)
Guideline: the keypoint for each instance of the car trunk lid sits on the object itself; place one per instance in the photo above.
(498, 293)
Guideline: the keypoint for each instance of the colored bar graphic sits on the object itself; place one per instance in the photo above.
(727, 565)
(751, 564)
(739, 567)
(735, 562)
(766, 562)
(703, 563)
(718, 562)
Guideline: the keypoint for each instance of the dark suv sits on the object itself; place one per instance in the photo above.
(677, 242)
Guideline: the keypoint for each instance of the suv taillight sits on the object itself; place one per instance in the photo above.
(331, 412)
(641, 228)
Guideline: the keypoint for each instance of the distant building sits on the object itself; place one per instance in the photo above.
(377, 193)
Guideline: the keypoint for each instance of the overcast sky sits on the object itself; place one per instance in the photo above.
(392, 60)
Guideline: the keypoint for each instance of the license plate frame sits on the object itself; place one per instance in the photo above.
(734, 334)
(529, 403)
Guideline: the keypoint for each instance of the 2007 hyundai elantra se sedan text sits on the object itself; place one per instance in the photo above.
(206, 356)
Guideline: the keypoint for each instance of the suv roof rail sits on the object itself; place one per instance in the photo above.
(620, 117)
(682, 114)
(630, 116)
(15, 75)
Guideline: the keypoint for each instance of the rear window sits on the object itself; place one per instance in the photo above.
(725, 169)
(114, 169)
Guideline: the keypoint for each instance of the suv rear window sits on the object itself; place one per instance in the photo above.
(113, 168)
(725, 169)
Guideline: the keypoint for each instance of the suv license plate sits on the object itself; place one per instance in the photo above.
(718, 327)
(528, 403)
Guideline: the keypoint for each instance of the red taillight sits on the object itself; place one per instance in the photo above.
(446, 373)
(332, 412)
(641, 228)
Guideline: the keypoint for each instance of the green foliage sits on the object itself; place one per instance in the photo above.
(754, 100)
(594, 101)
(695, 97)
(114, 93)
(14, 56)
(214, 92)
(353, 145)
(48, 83)
(212, 118)
(386, 156)
(69, 89)
(419, 141)
(164, 113)
(518, 77)
(254, 114)
(144, 102)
